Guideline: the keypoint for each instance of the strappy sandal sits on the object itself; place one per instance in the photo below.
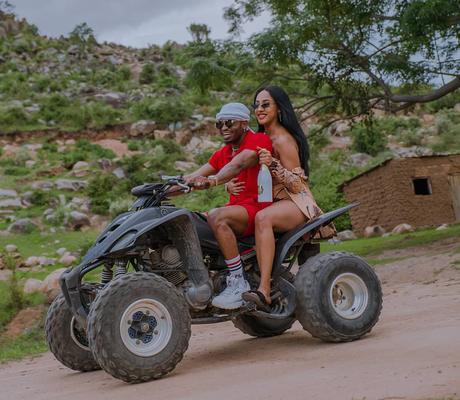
(258, 298)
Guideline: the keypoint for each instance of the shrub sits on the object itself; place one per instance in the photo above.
(40, 197)
(100, 191)
(163, 110)
(133, 146)
(367, 138)
(147, 74)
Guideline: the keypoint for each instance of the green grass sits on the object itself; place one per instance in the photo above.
(375, 246)
(37, 244)
(28, 344)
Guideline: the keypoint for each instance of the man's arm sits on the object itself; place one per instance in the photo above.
(242, 161)
(205, 170)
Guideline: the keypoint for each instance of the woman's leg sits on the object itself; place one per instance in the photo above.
(281, 216)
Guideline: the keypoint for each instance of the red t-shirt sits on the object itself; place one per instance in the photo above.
(224, 155)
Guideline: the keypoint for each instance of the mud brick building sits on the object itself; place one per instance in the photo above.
(421, 191)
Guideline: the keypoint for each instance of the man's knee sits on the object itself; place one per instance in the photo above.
(216, 217)
(263, 220)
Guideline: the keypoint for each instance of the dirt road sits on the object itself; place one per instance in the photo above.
(412, 353)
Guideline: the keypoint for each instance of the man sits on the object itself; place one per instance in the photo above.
(237, 158)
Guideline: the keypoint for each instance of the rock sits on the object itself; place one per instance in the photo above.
(44, 185)
(163, 134)
(32, 285)
(442, 227)
(80, 168)
(428, 119)
(358, 160)
(31, 261)
(346, 235)
(334, 240)
(142, 127)
(457, 107)
(22, 225)
(11, 248)
(11, 203)
(30, 164)
(70, 142)
(119, 173)
(115, 99)
(8, 193)
(198, 144)
(414, 151)
(61, 251)
(67, 260)
(78, 219)
(105, 164)
(402, 228)
(67, 184)
(373, 231)
(50, 286)
(45, 261)
(183, 136)
(185, 166)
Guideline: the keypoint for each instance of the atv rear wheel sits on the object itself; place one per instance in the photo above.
(66, 339)
(139, 327)
(339, 297)
(262, 327)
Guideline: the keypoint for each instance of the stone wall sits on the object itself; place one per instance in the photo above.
(386, 194)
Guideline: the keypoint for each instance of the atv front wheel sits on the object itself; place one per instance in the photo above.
(66, 339)
(139, 327)
(339, 297)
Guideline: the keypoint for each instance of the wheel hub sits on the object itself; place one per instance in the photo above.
(349, 295)
(146, 327)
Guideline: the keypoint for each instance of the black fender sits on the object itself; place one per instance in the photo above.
(122, 235)
(287, 240)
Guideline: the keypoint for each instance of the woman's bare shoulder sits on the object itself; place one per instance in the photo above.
(284, 142)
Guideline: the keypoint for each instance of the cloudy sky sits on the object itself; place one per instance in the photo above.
(131, 22)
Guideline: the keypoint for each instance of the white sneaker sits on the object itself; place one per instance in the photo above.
(230, 298)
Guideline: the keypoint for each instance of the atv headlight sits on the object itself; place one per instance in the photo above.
(124, 241)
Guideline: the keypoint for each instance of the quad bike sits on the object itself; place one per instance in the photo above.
(160, 268)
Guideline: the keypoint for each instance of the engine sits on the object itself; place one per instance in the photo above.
(167, 262)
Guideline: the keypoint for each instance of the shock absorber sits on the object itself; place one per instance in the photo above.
(120, 268)
(107, 273)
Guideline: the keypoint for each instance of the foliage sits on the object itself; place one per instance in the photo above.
(199, 32)
(368, 138)
(82, 34)
(161, 110)
(148, 74)
(360, 49)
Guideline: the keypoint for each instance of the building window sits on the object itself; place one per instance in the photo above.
(422, 186)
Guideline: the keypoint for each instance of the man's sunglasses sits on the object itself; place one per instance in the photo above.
(228, 123)
(264, 106)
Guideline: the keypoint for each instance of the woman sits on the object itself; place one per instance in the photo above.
(293, 201)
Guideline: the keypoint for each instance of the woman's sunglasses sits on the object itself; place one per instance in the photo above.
(264, 106)
(228, 123)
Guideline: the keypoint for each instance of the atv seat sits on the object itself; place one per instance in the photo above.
(145, 190)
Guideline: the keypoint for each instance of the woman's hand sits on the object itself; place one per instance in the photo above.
(265, 157)
(234, 187)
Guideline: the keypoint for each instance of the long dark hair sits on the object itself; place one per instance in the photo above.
(289, 121)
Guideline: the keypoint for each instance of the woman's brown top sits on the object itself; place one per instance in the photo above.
(293, 184)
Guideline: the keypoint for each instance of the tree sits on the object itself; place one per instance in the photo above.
(360, 54)
(6, 7)
(82, 34)
(200, 32)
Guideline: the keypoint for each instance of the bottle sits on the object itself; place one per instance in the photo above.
(264, 185)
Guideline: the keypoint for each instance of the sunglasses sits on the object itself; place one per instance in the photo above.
(228, 123)
(264, 106)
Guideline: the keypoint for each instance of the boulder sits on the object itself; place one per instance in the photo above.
(8, 193)
(163, 134)
(67, 260)
(373, 231)
(142, 127)
(80, 168)
(50, 286)
(32, 285)
(358, 159)
(346, 235)
(22, 225)
(115, 99)
(457, 107)
(30, 164)
(44, 185)
(184, 166)
(119, 173)
(11, 248)
(61, 251)
(402, 228)
(73, 185)
(442, 227)
(31, 261)
(78, 219)
(11, 203)
(183, 136)
(105, 164)
(334, 240)
(45, 261)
